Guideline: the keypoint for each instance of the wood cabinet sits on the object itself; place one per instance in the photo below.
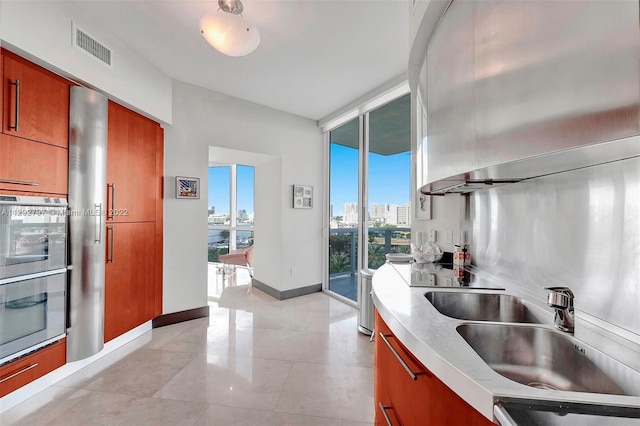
(410, 392)
(24, 370)
(130, 289)
(28, 162)
(35, 102)
(131, 166)
(135, 162)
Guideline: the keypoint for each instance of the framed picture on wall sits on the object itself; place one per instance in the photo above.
(187, 187)
(302, 197)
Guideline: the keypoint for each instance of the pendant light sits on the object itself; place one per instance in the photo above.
(228, 32)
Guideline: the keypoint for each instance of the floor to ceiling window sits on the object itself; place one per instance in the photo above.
(369, 165)
(231, 196)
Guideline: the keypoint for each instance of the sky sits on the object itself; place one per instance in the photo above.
(389, 178)
(219, 188)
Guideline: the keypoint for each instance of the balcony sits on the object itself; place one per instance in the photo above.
(343, 251)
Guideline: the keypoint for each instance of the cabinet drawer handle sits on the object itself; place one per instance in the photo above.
(17, 373)
(110, 211)
(414, 376)
(16, 105)
(384, 413)
(19, 182)
(110, 258)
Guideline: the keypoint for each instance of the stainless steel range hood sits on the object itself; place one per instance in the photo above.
(541, 165)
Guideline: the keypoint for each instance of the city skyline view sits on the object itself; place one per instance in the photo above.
(220, 188)
(389, 178)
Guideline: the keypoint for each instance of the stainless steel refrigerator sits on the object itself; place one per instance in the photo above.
(87, 209)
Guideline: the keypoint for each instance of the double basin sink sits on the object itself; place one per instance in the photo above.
(513, 343)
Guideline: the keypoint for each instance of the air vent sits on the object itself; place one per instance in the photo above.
(91, 46)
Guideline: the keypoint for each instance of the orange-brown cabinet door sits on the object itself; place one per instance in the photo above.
(129, 276)
(36, 102)
(131, 166)
(32, 166)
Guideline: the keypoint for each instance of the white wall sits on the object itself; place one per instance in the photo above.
(41, 32)
(285, 238)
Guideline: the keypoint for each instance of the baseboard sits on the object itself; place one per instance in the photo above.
(176, 317)
(287, 294)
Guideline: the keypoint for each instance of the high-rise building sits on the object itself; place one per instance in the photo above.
(350, 213)
(379, 211)
(331, 210)
(400, 214)
(212, 210)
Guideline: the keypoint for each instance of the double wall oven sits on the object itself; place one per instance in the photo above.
(33, 253)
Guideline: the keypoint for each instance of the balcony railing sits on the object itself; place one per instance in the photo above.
(343, 246)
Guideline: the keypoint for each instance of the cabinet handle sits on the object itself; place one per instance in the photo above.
(98, 230)
(414, 376)
(112, 186)
(16, 105)
(110, 258)
(19, 182)
(384, 413)
(17, 373)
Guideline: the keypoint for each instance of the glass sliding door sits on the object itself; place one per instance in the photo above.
(369, 193)
(389, 181)
(344, 160)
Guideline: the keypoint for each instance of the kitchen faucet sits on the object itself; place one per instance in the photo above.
(561, 299)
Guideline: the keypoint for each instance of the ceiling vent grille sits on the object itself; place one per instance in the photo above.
(91, 46)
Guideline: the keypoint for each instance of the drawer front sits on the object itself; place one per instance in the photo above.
(33, 166)
(25, 370)
(385, 412)
(403, 378)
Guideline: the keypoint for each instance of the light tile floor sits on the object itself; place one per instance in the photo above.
(254, 361)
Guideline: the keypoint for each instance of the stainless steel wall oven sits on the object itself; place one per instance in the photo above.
(33, 252)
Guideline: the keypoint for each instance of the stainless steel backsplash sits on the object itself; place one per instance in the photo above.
(579, 229)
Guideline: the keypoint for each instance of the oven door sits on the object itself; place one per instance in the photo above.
(32, 312)
(32, 239)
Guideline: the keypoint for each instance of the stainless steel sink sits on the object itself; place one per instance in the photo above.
(548, 359)
(481, 307)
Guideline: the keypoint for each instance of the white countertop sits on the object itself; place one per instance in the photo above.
(433, 339)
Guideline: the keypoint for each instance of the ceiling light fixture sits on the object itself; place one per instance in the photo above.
(228, 32)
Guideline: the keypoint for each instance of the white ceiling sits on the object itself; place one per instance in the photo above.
(315, 56)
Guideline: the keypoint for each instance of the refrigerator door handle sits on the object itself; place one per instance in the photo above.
(98, 229)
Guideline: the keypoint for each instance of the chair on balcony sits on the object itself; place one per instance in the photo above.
(241, 257)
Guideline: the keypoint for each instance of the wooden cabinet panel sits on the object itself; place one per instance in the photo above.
(384, 406)
(36, 100)
(27, 369)
(424, 401)
(129, 277)
(157, 308)
(131, 166)
(28, 161)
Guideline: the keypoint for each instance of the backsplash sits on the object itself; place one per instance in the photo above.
(579, 229)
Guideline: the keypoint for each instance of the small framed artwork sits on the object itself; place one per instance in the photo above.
(423, 206)
(187, 187)
(302, 197)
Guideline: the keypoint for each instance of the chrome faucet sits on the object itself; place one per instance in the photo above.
(561, 299)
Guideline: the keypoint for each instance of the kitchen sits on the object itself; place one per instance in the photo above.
(501, 252)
